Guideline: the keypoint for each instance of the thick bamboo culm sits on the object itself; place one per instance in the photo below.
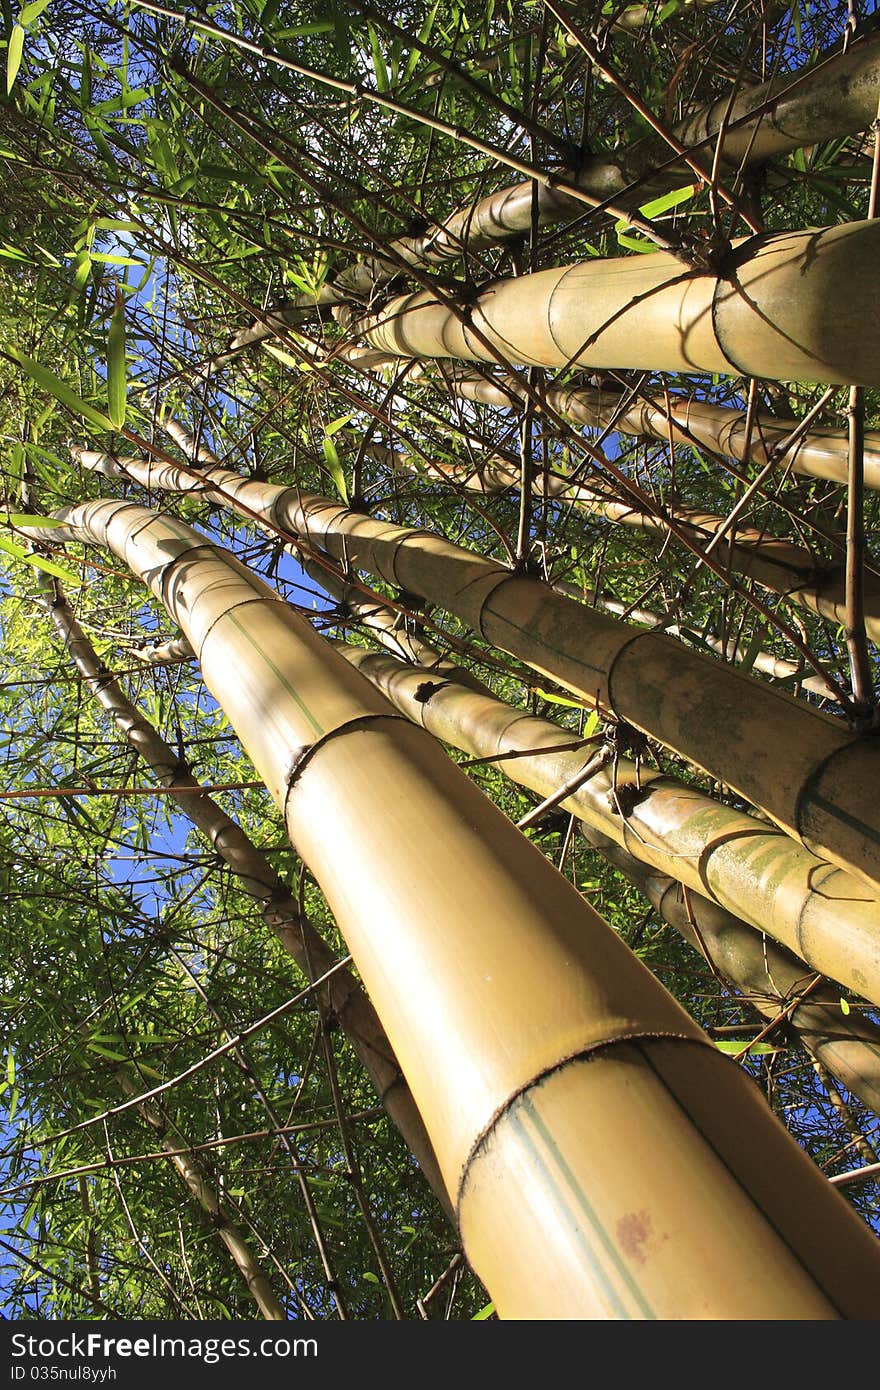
(520, 1019)
(342, 995)
(773, 563)
(205, 1193)
(763, 313)
(819, 453)
(386, 625)
(823, 915)
(809, 773)
(770, 978)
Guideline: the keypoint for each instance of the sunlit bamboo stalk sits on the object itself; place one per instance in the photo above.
(795, 109)
(520, 1019)
(342, 994)
(824, 916)
(761, 313)
(768, 976)
(821, 453)
(774, 563)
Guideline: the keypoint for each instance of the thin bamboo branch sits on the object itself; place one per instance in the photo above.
(193, 1176)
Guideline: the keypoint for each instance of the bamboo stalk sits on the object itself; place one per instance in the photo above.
(774, 563)
(830, 100)
(820, 453)
(342, 994)
(203, 1190)
(777, 667)
(768, 976)
(824, 916)
(804, 769)
(540, 1051)
(761, 314)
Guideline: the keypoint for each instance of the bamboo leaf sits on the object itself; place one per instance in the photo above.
(285, 358)
(48, 381)
(117, 385)
(335, 425)
(669, 200)
(33, 11)
(844, 1006)
(633, 243)
(484, 1313)
(12, 548)
(733, 1046)
(13, 56)
(383, 81)
(29, 519)
(40, 562)
(336, 472)
(424, 35)
(558, 699)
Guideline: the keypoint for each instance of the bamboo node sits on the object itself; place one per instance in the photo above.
(302, 757)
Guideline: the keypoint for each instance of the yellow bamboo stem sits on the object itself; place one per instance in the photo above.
(342, 995)
(820, 453)
(769, 978)
(823, 915)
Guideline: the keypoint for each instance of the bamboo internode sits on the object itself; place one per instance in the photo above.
(541, 1053)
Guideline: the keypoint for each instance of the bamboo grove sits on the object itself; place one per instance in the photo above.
(440, 840)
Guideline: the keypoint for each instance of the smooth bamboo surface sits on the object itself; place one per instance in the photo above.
(809, 773)
(556, 1077)
(825, 916)
(764, 313)
(772, 562)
